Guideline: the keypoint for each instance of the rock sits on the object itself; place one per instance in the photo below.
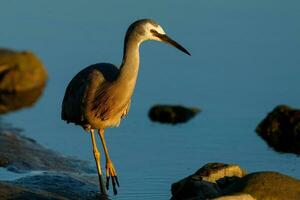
(11, 101)
(22, 79)
(12, 192)
(20, 71)
(207, 182)
(52, 185)
(266, 185)
(20, 154)
(281, 129)
(213, 172)
(235, 197)
(172, 114)
(47, 175)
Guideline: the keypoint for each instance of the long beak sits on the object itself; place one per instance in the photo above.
(168, 40)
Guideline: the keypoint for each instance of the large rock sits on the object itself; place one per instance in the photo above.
(228, 182)
(207, 182)
(266, 186)
(11, 101)
(52, 185)
(46, 175)
(281, 129)
(20, 154)
(172, 114)
(20, 71)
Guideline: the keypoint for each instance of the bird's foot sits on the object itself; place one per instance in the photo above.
(111, 173)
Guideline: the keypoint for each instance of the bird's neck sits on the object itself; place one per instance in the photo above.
(130, 64)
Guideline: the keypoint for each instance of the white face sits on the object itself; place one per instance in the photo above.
(149, 35)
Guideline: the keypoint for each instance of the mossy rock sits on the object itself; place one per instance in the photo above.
(266, 186)
(11, 101)
(20, 71)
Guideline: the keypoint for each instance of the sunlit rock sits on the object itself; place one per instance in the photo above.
(20, 71)
(228, 182)
(212, 172)
(207, 182)
(172, 114)
(281, 129)
(11, 101)
(266, 185)
(235, 197)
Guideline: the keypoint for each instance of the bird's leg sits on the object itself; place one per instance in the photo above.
(110, 169)
(97, 159)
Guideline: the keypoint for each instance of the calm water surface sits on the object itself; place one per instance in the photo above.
(245, 61)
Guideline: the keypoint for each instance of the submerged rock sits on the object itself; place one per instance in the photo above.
(20, 71)
(47, 174)
(13, 192)
(172, 114)
(20, 154)
(229, 182)
(207, 182)
(52, 185)
(281, 129)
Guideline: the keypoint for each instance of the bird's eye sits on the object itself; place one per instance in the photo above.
(153, 31)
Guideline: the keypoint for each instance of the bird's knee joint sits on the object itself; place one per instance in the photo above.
(96, 154)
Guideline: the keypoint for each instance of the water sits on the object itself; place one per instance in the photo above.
(245, 61)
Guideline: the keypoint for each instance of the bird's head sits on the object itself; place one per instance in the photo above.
(147, 29)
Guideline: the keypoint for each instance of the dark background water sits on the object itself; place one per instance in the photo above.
(245, 61)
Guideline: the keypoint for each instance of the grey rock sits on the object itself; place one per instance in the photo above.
(21, 154)
(52, 185)
(47, 174)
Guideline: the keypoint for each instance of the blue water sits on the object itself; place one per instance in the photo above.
(245, 61)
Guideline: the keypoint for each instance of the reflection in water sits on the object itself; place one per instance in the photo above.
(17, 100)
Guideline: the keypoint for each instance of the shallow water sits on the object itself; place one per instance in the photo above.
(245, 61)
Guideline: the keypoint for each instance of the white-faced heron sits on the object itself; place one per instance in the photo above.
(99, 95)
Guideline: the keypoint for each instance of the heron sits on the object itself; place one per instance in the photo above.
(99, 96)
